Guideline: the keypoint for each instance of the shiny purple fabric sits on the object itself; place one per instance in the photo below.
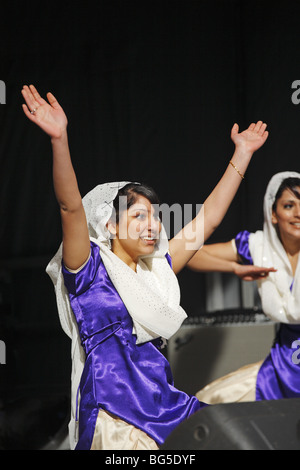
(131, 381)
(242, 246)
(279, 375)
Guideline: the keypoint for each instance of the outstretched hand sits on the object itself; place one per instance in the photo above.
(249, 272)
(252, 138)
(49, 116)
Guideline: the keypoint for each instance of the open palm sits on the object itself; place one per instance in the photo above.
(252, 138)
(49, 116)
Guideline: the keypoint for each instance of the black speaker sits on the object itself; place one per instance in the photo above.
(264, 425)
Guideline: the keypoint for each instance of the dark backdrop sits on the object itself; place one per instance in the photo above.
(151, 90)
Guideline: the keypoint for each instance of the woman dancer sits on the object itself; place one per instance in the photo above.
(117, 295)
(276, 247)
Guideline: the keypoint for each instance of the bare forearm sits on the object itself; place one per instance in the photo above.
(223, 259)
(211, 213)
(64, 178)
(50, 117)
(218, 202)
(204, 262)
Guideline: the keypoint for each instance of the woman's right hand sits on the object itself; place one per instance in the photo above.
(249, 272)
(49, 116)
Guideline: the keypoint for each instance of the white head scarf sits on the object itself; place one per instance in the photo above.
(279, 302)
(151, 294)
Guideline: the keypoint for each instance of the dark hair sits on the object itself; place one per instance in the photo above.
(132, 191)
(290, 184)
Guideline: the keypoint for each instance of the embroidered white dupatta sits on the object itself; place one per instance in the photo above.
(151, 294)
(279, 302)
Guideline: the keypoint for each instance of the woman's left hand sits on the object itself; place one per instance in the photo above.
(251, 139)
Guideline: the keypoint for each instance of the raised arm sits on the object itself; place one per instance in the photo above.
(188, 241)
(50, 117)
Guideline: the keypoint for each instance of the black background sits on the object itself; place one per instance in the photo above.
(151, 90)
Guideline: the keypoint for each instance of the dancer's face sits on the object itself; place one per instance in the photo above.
(138, 230)
(287, 215)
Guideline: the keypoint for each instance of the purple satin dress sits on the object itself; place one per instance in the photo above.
(134, 382)
(279, 375)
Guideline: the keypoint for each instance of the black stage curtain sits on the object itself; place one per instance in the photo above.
(151, 90)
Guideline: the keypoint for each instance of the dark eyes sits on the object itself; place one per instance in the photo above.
(140, 216)
(143, 216)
